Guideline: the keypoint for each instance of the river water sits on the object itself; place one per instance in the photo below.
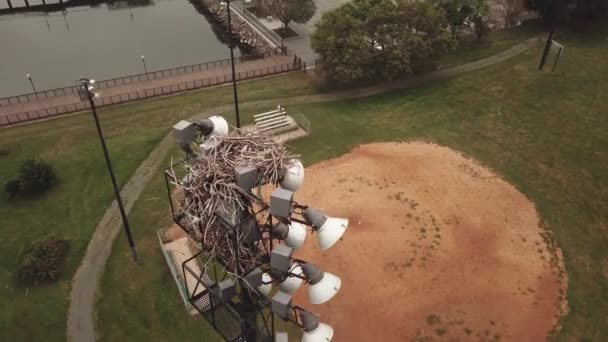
(102, 42)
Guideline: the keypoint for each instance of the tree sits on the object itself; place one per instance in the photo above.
(555, 11)
(340, 41)
(463, 12)
(287, 11)
(511, 11)
(35, 176)
(379, 39)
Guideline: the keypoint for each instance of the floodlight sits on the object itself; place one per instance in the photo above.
(91, 81)
(291, 284)
(294, 176)
(315, 331)
(329, 229)
(294, 234)
(220, 125)
(265, 288)
(91, 88)
(322, 286)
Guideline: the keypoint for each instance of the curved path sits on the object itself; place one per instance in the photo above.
(81, 315)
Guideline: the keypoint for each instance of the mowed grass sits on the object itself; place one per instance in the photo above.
(543, 132)
(73, 208)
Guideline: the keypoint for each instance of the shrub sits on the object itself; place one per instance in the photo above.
(12, 187)
(42, 261)
(35, 176)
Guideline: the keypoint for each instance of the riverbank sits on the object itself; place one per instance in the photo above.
(242, 32)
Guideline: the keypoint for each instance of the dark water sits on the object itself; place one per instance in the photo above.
(102, 42)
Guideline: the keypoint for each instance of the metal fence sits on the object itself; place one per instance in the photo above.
(45, 94)
(43, 113)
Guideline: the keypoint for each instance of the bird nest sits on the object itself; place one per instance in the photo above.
(211, 197)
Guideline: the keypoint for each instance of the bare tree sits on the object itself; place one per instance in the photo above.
(299, 11)
(511, 11)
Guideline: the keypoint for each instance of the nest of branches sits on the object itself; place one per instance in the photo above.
(210, 190)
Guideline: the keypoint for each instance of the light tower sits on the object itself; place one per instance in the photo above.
(234, 196)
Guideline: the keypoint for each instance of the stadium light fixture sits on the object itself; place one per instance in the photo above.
(293, 281)
(294, 176)
(322, 286)
(314, 330)
(294, 234)
(329, 229)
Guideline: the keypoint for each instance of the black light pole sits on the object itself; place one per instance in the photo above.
(236, 98)
(29, 77)
(543, 59)
(143, 59)
(85, 90)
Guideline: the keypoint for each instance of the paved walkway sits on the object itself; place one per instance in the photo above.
(81, 322)
(245, 68)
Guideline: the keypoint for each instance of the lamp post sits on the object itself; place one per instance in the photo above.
(231, 42)
(85, 91)
(29, 77)
(143, 60)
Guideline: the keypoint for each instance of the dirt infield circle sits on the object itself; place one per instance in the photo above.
(438, 248)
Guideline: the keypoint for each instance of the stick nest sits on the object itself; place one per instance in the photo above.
(211, 189)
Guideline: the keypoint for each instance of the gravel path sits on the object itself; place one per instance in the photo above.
(81, 315)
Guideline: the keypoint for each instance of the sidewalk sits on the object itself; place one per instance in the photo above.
(141, 89)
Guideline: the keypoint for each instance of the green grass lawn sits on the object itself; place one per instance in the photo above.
(74, 207)
(544, 132)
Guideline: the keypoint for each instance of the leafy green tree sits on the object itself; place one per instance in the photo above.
(341, 42)
(287, 11)
(462, 12)
(379, 39)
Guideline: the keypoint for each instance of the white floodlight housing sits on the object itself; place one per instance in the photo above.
(294, 234)
(322, 286)
(91, 81)
(292, 284)
(315, 331)
(220, 125)
(294, 176)
(91, 88)
(265, 288)
(329, 229)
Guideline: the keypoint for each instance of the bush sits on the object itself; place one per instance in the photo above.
(42, 261)
(12, 187)
(35, 176)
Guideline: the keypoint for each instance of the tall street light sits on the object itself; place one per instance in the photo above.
(236, 99)
(143, 60)
(85, 90)
(29, 77)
